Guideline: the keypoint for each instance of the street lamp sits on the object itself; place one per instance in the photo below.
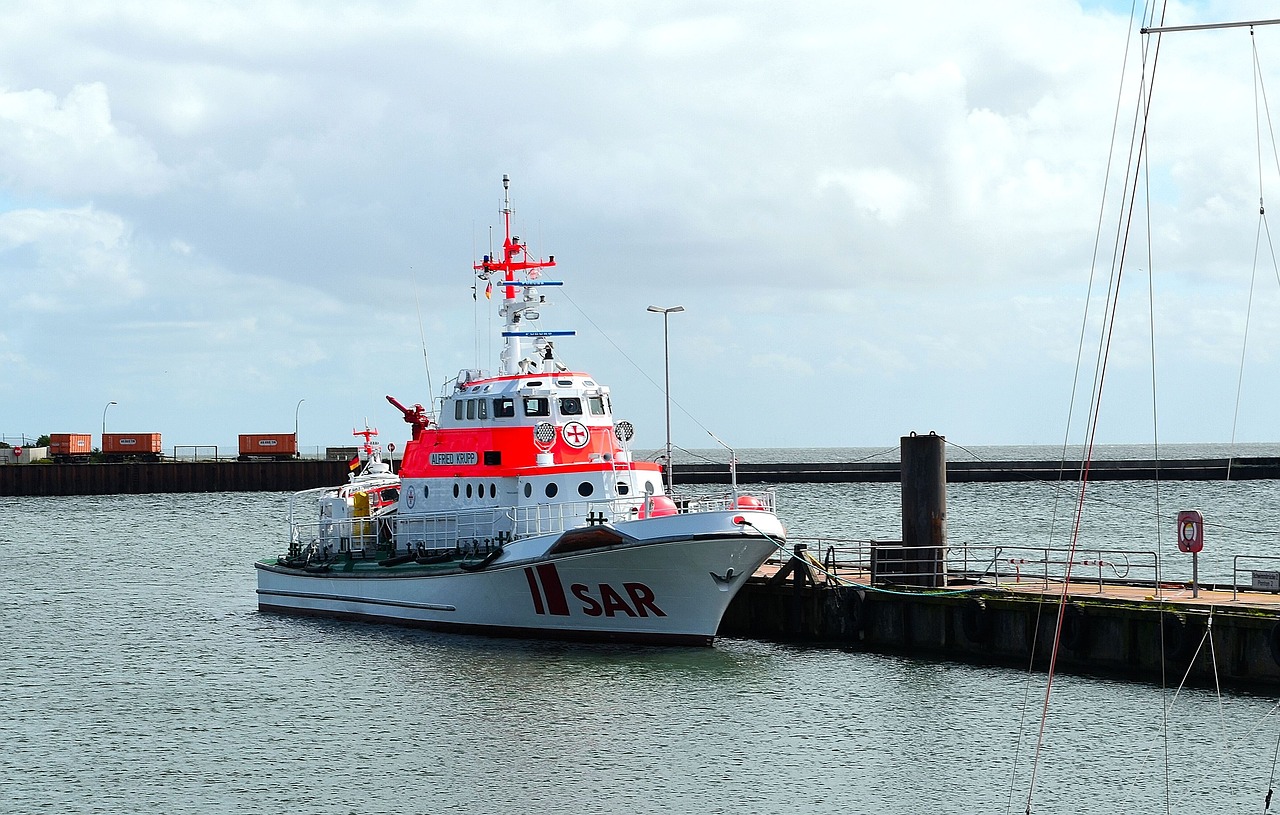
(104, 420)
(666, 359)
(296, 451)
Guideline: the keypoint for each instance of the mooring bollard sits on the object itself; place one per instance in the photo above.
(924, 509)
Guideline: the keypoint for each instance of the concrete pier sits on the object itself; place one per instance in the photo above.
(1128, 631)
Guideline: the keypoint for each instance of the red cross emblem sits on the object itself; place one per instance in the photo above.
(575, 434)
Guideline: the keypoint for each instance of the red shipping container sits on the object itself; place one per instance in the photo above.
(135, 443)
(70, 444)
(268, 444)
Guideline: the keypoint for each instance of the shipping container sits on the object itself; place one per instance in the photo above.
(131, 443)
(268, 445)
(70, 447)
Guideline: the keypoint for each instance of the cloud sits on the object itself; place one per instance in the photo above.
(70, 147)
(66, 260)
(236, 195)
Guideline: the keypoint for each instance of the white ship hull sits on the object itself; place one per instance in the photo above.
(664, 580)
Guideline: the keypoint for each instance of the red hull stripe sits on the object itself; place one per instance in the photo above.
(554, 591)
(533, 589)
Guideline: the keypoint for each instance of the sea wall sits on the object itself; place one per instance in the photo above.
(163, 477)
(1240, 468)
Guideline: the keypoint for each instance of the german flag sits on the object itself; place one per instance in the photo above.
(354, 463)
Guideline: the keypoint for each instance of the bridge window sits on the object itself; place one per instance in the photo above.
(471, 408)
(537, 406)
(457, 409)
(571, 406)
(504, 407)
(597, 405)
(482, 408)
(623, 488)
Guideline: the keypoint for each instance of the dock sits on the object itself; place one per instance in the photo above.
(1136, 630)
(1009, 605)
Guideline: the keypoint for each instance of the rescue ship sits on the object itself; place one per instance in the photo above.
(520, 510)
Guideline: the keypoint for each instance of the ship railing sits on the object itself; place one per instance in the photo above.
(482, 528)
(474, 530)
(766, 500)
(329, 536)
(541, 519)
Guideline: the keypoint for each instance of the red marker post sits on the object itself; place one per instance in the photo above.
(1191, 539)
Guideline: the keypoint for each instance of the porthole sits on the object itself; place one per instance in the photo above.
(552, 489)
(455, 490)
(468, 490)
(623, 488)
(425, 490)
(493, 490)
(528, 490)
(586, 488)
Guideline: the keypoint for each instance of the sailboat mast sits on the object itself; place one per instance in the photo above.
(1164, 29)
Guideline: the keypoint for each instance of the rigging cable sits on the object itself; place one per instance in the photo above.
(1109, 318)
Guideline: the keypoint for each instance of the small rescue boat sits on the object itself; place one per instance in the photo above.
(519, 509)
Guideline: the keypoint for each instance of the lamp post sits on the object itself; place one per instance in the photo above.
(296, 450)
(104, 420)
(666, 363)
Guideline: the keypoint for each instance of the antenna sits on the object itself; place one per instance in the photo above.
(426, 362)
(733, 463)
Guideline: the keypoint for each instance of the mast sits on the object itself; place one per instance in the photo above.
(518, 311)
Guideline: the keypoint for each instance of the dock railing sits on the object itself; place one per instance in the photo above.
(1259, 579)
(889, 562)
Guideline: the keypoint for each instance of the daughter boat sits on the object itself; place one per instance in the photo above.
(519, 510)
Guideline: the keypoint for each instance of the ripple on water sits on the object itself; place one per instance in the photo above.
(137, 676)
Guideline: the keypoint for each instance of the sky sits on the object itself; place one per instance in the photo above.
(880, 218)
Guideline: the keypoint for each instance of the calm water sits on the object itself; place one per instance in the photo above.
(137, 676)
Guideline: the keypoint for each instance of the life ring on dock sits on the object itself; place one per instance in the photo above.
(974, 622)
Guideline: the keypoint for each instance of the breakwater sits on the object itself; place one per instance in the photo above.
(167, 477)
(1238, 468)
(268, 476)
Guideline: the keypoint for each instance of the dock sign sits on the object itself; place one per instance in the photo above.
(1266, 581)
(1190, 531)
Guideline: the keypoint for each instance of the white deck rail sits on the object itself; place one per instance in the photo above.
(483, 527)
